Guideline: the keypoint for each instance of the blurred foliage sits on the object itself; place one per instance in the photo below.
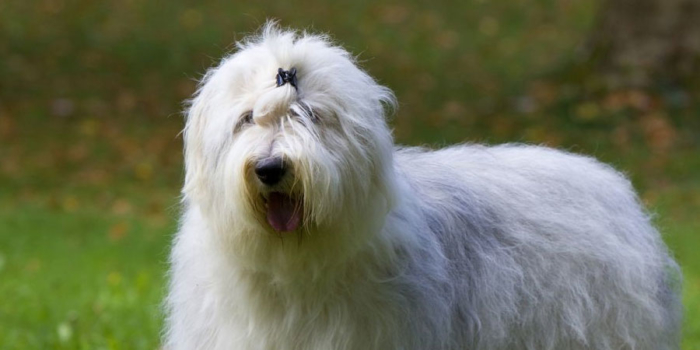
(91, 95)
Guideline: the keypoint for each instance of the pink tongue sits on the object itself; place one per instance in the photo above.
(283, 213)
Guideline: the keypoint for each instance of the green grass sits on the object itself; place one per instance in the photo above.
(677, 210)
(80, 280)
(90, 160)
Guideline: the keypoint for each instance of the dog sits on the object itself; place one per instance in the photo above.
(305, 227)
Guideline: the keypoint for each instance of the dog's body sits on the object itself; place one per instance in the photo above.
(470, 247)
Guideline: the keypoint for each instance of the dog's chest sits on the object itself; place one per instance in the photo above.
(271, 318)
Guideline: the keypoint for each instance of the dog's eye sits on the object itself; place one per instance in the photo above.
(246, 118)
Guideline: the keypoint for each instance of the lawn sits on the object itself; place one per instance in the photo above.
(90, 157)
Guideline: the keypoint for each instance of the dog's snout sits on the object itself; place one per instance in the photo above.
(270, 170)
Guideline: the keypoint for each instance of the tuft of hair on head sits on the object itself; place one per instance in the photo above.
(271, 33)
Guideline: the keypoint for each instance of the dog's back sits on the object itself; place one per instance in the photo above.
(546, 249)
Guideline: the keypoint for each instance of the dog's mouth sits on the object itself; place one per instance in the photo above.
(284, 212)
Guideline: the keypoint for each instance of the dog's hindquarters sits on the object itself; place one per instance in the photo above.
(546, 250)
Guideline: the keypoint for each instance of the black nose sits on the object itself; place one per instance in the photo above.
(270, 171)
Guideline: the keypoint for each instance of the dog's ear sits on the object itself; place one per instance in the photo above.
(193, 140)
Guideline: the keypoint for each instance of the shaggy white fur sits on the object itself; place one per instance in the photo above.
(469, 247)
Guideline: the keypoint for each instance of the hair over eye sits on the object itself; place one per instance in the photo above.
(303, 110)
(244, 119)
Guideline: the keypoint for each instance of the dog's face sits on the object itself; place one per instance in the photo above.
(271, 151)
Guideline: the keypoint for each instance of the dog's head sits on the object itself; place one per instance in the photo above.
(288, 135)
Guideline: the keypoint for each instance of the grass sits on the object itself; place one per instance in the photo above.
(677, 210)
(80, 280)
(90, 161)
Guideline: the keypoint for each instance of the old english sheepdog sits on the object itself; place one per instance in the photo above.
(306, 228)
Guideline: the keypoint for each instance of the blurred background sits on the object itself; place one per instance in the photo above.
(91, 94)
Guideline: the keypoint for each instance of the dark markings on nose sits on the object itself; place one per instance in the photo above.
(270, 170)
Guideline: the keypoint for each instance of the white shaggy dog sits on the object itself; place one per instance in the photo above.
(306, 229)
